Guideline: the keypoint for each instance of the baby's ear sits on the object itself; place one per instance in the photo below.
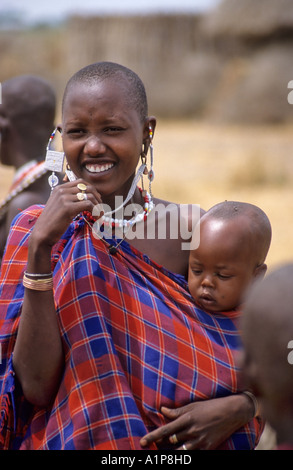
(260, 270)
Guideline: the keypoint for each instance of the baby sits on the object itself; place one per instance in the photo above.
(234, 241)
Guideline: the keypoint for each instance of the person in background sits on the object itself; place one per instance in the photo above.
(267, 331)
(27, 115)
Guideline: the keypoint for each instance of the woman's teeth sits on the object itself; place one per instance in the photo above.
(99, 168)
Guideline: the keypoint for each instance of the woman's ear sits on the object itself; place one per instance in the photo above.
(152, 122)
(149, 129)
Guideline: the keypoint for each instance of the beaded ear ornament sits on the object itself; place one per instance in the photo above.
(54, 161)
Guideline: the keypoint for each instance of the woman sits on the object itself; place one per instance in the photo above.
(110, 342)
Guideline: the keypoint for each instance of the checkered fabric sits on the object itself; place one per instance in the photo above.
(133, 342)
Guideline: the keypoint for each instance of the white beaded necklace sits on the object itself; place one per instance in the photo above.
(123, 223)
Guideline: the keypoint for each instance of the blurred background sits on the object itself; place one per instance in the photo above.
(216, 73)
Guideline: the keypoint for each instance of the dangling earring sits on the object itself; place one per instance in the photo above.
(54, 161)
(151, 174)
(143, 170)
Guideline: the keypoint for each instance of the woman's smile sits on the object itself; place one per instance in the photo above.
(99, 167)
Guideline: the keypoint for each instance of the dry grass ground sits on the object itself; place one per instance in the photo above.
(205, 164)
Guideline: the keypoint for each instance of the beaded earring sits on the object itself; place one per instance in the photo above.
(54, 161)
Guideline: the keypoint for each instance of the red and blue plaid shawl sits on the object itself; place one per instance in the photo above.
(133, 341)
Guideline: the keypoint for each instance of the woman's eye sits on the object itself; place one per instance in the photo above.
(75, 132)
(113, 129)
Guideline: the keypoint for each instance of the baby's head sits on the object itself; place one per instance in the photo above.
(234, 242)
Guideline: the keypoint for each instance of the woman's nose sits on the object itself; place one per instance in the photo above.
(94, 146)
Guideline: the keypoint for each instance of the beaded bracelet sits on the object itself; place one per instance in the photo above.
(40, 284)
(254, 401)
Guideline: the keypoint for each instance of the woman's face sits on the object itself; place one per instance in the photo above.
(102, 136)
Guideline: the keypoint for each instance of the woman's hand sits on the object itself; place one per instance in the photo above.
(202, 425)
(61, 208)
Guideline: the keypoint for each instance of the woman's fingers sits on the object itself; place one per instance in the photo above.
(65, 203)
(76, 197)
(170, 432)
(180, 432)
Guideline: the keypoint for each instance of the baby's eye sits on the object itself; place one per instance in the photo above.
(197, 272)
(224, 276)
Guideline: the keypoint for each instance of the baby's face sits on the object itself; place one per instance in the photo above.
(221, 268)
